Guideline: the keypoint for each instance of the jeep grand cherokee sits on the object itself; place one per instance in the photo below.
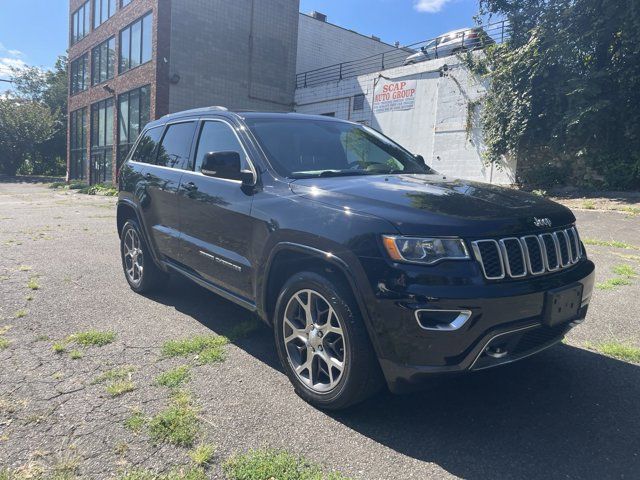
(368, 265)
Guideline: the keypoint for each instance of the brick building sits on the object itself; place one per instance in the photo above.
(131, 61)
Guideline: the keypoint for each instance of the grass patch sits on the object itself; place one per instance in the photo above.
(21, 313)
(273, 464)
(202, 455)
(206, 348)
(178, 424)
(610, 243)
(33, 284)
(540, 193)
(24, 268)
(183, 473)
(136, 421)
(76, 354)
(119, 373)
(92, 338)
(243, 329)
(120, 387)
(589, 205)
(618, 350)
(105, 189)
(59, 347)
(613, 283)
(175, 377)
(624, 271)
(631, 210)
(4, 343)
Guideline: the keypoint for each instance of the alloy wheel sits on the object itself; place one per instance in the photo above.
(133, 256)
(314, 341)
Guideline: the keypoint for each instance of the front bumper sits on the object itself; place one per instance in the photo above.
(507, 315)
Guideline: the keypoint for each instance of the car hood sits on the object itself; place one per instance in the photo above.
(436, 205)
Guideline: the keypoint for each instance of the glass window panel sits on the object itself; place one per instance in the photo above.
(123, 118)
(125, 43)
(147, 145)
(136, 30)
(105, 11)
(216, 137)
(109, 123)
(176, 145)
(111, 57)
(146, 38)
(134, 114)
(145, 106)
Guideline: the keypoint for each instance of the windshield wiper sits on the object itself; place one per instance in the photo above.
(329, 173)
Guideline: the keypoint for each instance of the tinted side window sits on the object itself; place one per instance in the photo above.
(146, 148)
(176, 145)
(217, 137)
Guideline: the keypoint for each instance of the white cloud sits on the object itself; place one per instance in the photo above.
(430, 6)
(7, 63)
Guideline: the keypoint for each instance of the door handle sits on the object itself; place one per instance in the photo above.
(190, 187)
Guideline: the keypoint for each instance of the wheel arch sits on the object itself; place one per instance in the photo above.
(287, 258)
(128, 210)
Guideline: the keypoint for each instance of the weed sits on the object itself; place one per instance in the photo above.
(21, 313)
(105, 189)
(175, 377)
(202, 455)
(589, 205)
(42, 338)
(207, 348)
(136, 421)
(24, 268)
(76, 354)
(613, 283)
(5, 329)
(121, 448)
(178, 424)
(610, 243)
(631, 210)
(181, 473)
(4, 343)
(119, 373)
(57, 376)
(624, 271)
(59, 347)
(28, 298)
(92, 338)
(33, 283)
(120, 387)
(243, 329)
(540, 193)
(268, 464)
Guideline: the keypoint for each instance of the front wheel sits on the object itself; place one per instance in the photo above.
(322, 342)
(142, 274)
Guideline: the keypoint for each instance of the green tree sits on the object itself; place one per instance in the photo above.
(564, 99)
(47, 88)
(23, 124)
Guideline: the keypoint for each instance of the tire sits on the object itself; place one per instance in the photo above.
(336, 336)
(141, 272)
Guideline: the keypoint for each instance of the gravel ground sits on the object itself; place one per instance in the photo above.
(566, 413)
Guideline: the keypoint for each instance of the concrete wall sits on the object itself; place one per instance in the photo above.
(441, 127)
(321, 44)
(236, 53)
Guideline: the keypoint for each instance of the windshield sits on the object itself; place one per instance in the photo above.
(317, 148)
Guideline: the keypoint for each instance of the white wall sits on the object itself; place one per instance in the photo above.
(436, 128)
(321, 44)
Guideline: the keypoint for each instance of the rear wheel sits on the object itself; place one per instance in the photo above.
(141, 272)
(323, 344)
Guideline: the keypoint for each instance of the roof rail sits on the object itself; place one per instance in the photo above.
(200, 110)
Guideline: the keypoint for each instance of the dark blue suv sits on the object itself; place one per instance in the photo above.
(369, 266)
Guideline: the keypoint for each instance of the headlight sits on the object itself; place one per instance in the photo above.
(424, 250)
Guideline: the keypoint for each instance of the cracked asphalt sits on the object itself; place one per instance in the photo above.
(567, 413)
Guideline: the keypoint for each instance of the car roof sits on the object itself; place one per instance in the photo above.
(240, 114)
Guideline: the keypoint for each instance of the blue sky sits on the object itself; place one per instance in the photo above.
(34, 32)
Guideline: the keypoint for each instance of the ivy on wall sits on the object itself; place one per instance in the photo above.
(564, 97)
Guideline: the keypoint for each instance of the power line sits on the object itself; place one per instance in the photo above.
(8, 81)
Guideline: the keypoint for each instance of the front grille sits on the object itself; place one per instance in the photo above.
(529, 255)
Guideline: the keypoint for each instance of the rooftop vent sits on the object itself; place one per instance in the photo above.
(319, 16)
(377, 39)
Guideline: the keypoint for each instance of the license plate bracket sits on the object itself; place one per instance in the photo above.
(562, 304)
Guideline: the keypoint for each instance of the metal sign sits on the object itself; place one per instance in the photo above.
(392, 96)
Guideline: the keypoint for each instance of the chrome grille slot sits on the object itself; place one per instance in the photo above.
(488, 252)
(529, 255)
(513, 257)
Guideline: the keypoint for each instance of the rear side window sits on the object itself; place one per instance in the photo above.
(217, 137)
(175, 147)
(146, 147)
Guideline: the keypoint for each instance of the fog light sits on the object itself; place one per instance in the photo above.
(442, 320)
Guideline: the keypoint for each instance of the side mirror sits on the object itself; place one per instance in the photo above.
(222, 165)
(420, 159)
